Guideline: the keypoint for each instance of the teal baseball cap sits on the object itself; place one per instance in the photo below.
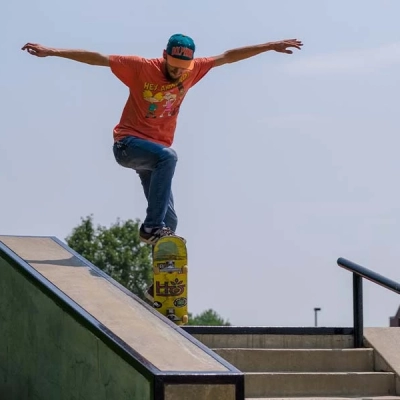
(180, 51)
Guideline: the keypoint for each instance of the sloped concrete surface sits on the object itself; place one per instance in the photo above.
(149, 335)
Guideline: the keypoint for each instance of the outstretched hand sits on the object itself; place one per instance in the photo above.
(37, 50)
(282, 45)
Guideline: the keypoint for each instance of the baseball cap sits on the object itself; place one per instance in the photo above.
(180, 51)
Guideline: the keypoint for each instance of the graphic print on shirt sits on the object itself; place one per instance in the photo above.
(154, 93)
(152, 99)
(170, 98)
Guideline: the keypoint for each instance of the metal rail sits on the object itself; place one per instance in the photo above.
(359, 273)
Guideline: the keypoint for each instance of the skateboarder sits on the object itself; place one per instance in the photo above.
(145, 132)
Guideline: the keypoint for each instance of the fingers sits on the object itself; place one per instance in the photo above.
(292, 43)
(29, 46)
(282, 46)
(33, 48)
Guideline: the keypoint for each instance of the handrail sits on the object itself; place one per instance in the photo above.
(359, 273)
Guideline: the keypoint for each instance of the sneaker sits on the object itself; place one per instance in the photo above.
(149, 293)
(156, 234)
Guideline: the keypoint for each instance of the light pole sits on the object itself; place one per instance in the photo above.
(316, 309)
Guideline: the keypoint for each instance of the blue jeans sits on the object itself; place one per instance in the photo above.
(155, 165)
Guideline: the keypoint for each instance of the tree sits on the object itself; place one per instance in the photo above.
(116, 250)
(208, 317)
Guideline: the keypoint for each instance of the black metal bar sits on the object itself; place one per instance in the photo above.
(159, 390)
(265, 330)
(358, 310)
(240, 388)
(370, 275)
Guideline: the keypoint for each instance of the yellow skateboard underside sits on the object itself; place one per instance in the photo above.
(170, 279)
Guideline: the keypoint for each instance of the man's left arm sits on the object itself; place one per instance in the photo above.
(241, 53)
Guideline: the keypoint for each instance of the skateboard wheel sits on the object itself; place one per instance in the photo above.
(156, 270)
(185, 269)
(185, 319)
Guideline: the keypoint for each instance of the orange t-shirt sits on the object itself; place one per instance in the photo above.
(152, 107)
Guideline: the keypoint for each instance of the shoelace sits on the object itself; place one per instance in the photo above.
(164, 232)
(167, 231)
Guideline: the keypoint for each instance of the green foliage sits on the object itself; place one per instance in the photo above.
(208, 317)
(116, 250)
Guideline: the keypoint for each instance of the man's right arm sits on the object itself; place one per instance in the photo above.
(83, 56)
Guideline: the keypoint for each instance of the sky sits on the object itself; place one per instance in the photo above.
(285, 162)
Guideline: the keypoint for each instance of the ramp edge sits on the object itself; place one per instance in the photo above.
(180, 329)
(159, 379)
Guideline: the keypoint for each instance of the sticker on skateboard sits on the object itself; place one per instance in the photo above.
(170, 279)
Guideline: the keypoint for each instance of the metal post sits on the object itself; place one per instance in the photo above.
(316, 309)
(358, 310)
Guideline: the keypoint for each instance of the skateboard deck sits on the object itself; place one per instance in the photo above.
(170, 279)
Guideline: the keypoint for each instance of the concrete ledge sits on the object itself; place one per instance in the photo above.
(124, 315)
(46, 354)
(60, 298)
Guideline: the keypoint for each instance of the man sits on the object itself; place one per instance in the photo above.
(145, 132)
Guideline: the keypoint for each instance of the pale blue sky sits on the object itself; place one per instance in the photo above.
(286, 162)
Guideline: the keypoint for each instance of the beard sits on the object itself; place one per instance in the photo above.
(168, 76)
(171, 78)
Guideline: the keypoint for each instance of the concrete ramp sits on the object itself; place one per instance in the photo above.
(67, 330)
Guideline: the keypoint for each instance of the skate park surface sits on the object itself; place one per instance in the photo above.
(69, 331)
(73, 330)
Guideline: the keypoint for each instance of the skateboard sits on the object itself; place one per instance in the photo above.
(170, 278)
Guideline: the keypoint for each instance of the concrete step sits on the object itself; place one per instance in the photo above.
(326, 398)
(270, 341)
(299, 360)
(307, 384)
